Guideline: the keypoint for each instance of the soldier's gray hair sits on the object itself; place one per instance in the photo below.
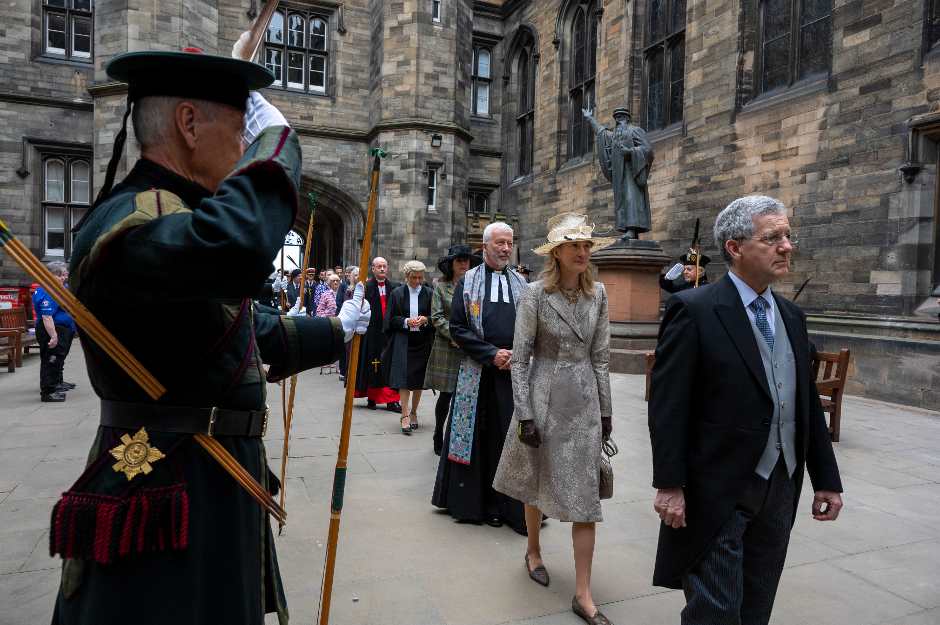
(736, 221)
(57, 267)
(496, 226)
(152, 117)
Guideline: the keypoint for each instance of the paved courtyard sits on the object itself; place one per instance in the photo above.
(402, 562)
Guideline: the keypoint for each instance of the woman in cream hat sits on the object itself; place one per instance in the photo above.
(562, 401)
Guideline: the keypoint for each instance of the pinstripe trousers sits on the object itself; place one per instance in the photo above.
(735, 582)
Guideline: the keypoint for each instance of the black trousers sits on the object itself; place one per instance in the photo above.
(736, 581)
(52, 360)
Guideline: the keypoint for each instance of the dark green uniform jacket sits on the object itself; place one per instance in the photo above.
(170, 269)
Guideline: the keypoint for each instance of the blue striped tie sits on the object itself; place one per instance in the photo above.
(759, 306)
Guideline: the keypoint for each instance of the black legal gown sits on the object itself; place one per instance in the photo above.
(170, 268)
(466, 491)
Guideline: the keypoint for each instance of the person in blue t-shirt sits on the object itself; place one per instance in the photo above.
(55, 329)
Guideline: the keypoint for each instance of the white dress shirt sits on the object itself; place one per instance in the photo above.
(413, 310)
(748, 295)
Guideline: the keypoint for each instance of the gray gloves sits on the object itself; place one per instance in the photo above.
(355, 313)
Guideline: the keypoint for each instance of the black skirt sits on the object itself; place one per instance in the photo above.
(406, 360)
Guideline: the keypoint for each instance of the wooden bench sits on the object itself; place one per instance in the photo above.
(10, 347)
(15, 319)
(830, 381)
(831, 384)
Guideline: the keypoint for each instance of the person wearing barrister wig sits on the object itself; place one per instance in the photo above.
(482, 318)
(561, 394)
(410, 333)
(165, 535)
(444, 362)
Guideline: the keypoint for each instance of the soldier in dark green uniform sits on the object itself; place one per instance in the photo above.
(165, 535)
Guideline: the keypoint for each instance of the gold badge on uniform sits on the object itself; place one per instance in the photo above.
(135, 455)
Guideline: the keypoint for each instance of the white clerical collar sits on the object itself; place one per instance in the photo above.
(415, 290)
(499, 283)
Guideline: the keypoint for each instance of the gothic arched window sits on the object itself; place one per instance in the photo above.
(582, 70)
(794, 42)
(296, 50)
(525, 112)
(664, 63)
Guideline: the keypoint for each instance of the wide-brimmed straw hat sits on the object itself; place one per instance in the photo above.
(572, 228)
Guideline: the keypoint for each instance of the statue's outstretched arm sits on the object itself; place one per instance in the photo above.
(590, 117)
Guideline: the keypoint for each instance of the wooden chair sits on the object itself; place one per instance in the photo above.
(831, 385)
(650, 361)
(15, 319)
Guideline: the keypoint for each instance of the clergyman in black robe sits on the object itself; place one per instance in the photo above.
(370, 377)
(466, 490)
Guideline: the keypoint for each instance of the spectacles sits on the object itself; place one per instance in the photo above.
(774, 240)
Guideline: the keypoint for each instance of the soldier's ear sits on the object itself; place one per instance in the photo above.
(184, 118)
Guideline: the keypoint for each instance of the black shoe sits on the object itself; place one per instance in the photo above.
(393, 407)
(55, 396)
(68, 386)
(371, 405)
(63, 388)
(494, 521)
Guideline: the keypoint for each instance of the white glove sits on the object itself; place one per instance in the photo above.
(260, 115)
(355, 313)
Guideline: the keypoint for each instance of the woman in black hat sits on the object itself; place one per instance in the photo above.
(445, 355)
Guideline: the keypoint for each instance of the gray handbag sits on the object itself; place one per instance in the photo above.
(606, 472)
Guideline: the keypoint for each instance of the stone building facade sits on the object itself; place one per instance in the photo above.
(833, 106)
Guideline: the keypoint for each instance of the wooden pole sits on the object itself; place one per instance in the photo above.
(289, 415)
(339, 475)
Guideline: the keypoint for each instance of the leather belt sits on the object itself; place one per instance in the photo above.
(184, 419)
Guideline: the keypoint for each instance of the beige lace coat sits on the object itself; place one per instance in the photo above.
(565, 388)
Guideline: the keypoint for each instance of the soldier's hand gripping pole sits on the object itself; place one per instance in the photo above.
(339, 476)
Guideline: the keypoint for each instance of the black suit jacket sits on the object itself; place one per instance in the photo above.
(709, 415)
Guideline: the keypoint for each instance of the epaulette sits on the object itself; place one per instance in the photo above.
(148, 205)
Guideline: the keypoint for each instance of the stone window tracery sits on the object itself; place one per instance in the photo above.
(582, 67)
(297, 50)
(66, 188)
(664, 63)
(794, 41)
(482, 76)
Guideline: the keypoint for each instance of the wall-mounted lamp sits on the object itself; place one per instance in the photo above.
(909, 171)
(436, 140)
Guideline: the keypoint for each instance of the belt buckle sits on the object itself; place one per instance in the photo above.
(264, 424)
(213, 414)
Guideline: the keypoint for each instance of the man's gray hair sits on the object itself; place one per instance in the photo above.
(496, 226)
(153, 117)
(736, 221)
(57, 267)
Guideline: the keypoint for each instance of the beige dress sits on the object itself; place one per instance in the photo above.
(566, 390)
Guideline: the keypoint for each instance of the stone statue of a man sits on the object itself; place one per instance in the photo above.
(625, 157)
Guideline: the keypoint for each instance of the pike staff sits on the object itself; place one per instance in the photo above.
(289, 413)
(339, 475)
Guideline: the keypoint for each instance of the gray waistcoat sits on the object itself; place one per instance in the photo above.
(780, 368)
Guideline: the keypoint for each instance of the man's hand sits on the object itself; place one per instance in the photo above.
(832, 502)
(355, 313)
(502, 358)
(53, 341)
(670, 506)
(260, 115)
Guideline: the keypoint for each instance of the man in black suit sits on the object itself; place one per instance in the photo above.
(734, 418)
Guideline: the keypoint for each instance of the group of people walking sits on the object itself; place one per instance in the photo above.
(525, 403)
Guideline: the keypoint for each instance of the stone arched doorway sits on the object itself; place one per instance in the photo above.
(338, 224)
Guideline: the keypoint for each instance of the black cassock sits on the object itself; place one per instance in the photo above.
(466, 491)
(370, 377)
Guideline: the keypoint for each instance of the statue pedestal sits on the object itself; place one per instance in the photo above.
(630, 272)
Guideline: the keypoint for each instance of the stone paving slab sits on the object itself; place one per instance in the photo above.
(401, 561)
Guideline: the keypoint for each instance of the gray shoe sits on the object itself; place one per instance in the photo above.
(539, 574)
(597, 619)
